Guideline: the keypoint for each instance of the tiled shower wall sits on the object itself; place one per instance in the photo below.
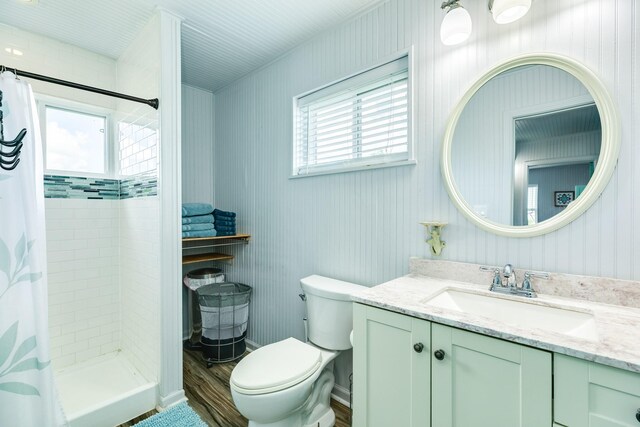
(102, 254)
(138, 74)
(82, 235)
(84, 295)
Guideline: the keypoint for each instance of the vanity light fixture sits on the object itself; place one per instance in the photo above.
(456, 26)
(507, 11)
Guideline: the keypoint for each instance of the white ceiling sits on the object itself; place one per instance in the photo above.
(553, 125)
(221, 39)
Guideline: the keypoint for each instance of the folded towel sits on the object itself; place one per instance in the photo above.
(197, 227)
(225, 223)
(218, 212)
(226, 233)
(193, 209)
(201, 233)
(229, 229)
(199, 219)
(224, 227)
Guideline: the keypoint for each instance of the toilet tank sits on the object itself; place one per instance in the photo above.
(329, 311)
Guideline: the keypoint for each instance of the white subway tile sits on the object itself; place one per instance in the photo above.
(90, 353)
(63, 361)
(73, 348)
(87, 334)
(62, 340)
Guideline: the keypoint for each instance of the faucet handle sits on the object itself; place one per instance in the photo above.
(526, 282)
(497, 281)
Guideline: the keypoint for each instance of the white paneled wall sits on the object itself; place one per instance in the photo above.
(138, 74)
(56, 59)
(197, 145)
(363, 226)
(84, 293)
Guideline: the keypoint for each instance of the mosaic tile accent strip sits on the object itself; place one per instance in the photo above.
(76, 187)
(139, 186)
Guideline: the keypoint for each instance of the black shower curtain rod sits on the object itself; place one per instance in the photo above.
(20, 73)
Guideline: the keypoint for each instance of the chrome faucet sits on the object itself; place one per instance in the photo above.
(510, 274)
(510, 285)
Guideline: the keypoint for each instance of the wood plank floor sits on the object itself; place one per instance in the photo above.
(209, 395)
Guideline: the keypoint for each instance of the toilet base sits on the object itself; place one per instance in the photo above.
(326, 420)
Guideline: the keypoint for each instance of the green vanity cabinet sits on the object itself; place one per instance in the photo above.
(588, 394)
(484, 381)
(457, 379)
(391, 369)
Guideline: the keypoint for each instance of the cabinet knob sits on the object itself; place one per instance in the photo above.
(638, 415)
(418, 347)
(439, 354)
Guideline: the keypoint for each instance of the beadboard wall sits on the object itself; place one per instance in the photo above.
(363, 226)
(197, 165)
(197, 145)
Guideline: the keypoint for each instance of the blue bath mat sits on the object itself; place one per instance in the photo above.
(180, 415)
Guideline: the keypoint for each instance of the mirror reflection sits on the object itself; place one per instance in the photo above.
(526, 145)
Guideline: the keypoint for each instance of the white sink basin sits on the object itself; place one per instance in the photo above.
(525, 314)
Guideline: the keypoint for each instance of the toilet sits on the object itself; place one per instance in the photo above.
(289, 383)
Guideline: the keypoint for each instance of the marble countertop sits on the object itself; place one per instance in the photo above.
(618, 327)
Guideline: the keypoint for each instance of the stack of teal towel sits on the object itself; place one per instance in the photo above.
(197, 220)
(225, 222)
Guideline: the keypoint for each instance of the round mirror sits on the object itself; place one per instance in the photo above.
(530, 146)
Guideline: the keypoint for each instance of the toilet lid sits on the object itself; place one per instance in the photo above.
(275, 367)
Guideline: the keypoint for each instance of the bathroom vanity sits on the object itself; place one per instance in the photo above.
(430, 351)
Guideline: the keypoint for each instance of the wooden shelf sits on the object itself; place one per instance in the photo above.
(214, 256)
(243, 237)
(193, 243)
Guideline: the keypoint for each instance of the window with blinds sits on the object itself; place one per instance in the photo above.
(359, 122)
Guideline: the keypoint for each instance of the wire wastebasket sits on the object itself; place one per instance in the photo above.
(225, 314)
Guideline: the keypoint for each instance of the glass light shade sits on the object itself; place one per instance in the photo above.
(456, 26)
(506, 11)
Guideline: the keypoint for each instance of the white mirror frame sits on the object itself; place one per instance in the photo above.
(607, 160)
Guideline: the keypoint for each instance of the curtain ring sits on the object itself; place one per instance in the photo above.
(15, 73)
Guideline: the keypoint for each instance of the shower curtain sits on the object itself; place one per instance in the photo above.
(27, 393)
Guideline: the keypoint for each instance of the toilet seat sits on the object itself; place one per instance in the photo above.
(275, 367)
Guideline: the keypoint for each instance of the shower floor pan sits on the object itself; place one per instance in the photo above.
(104, 392)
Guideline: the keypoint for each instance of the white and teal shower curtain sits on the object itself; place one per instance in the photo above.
(27, 393)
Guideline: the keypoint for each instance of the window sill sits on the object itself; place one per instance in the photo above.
(356, 168)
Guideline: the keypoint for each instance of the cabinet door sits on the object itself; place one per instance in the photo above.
(483, 381)
(588, 394)
(391, 380)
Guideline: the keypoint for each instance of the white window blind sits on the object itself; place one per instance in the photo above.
(358, 122)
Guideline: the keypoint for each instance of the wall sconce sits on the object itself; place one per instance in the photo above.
(434, 231)
(506, 11)
(456, 26)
